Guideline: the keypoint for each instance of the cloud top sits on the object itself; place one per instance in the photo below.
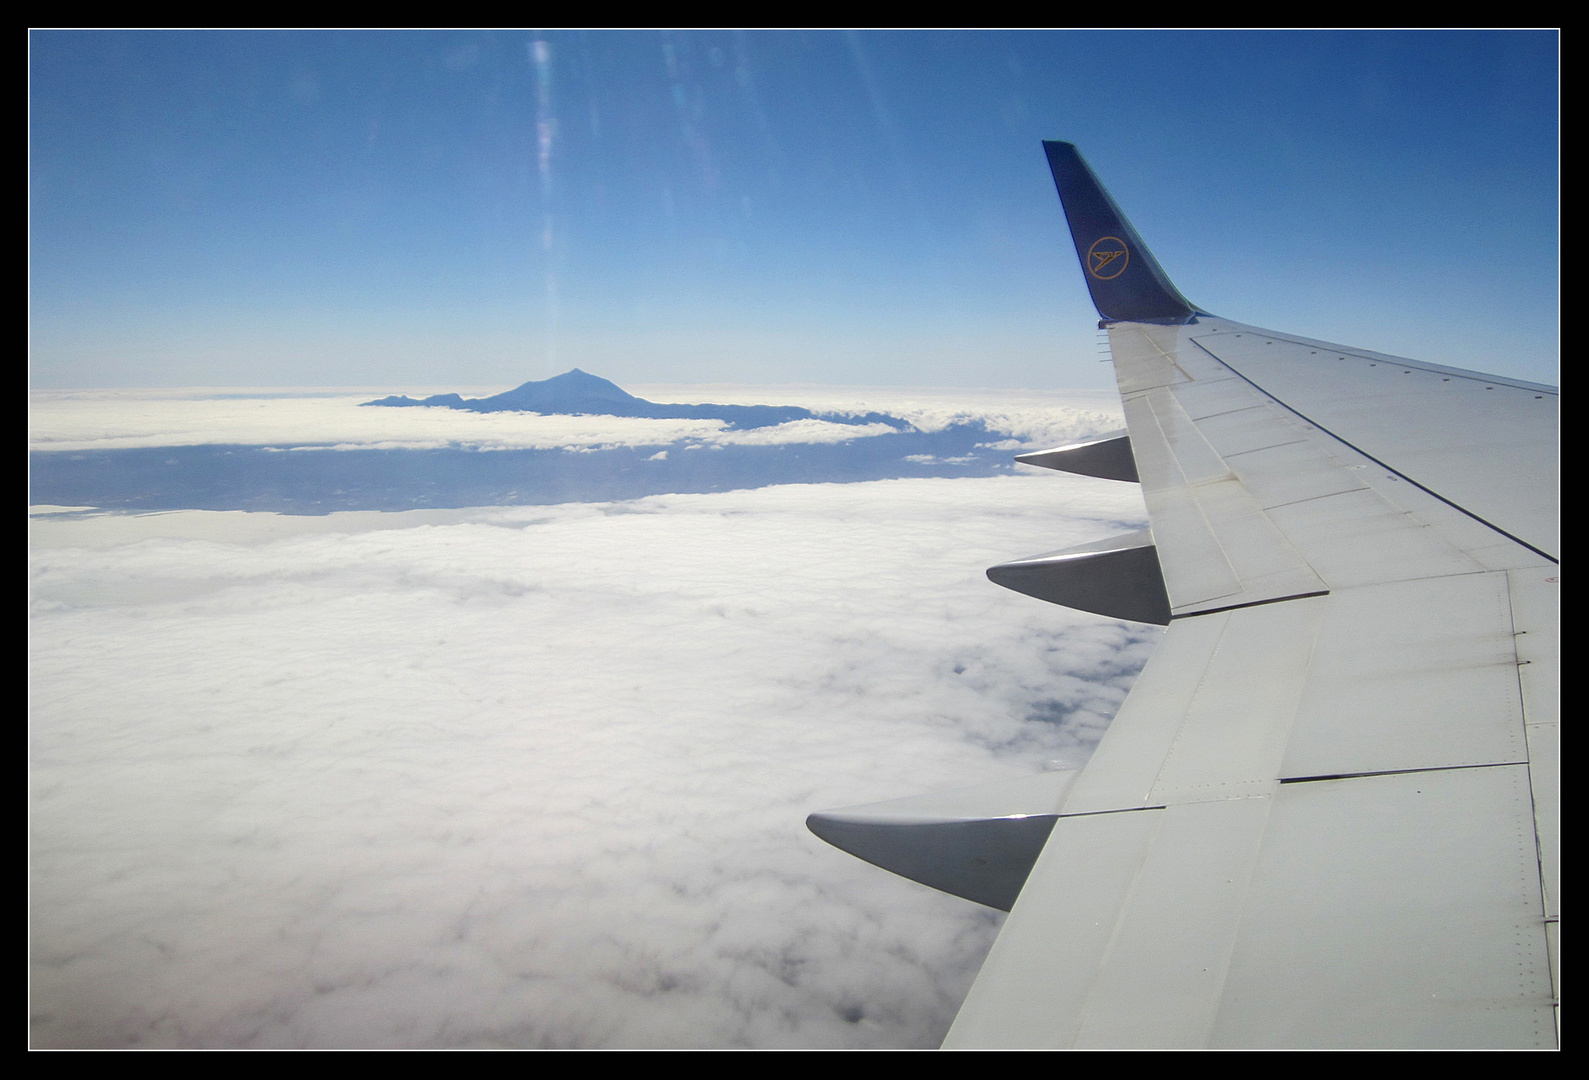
(79, 420)
(534, 776)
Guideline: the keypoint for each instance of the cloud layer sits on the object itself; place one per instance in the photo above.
(535, 776)
(317, 453)
(92, 420)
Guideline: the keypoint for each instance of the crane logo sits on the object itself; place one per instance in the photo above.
(1107, 258)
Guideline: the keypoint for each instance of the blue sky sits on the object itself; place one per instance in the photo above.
(479, 208)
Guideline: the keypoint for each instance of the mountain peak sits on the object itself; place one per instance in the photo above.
(577, 393)
(573, 391)
(584, 383)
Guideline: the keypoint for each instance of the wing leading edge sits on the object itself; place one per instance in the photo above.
(1327, 813)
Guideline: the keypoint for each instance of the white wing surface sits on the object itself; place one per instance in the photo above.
(1327, 814)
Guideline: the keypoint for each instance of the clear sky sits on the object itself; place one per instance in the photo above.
(477, 208)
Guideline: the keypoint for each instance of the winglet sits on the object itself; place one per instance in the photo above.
(1124, 278)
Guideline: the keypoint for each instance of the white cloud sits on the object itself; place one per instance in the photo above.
(78, 420)
(799, 431)
(119, 420)
(534, 776)
(1033, 417)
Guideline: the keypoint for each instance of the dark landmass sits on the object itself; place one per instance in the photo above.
(579, 393)
(317, 479)
(320, 480)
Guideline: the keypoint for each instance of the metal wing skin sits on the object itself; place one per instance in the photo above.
(1327, 813)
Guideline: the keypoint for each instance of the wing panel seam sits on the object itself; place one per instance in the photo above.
(1347, 442)
(1251, 603)
(1116, 810)
(1400, 772)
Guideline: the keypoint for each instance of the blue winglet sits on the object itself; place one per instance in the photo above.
(1124, 278)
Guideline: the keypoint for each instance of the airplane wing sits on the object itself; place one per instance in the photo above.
(1327, 813)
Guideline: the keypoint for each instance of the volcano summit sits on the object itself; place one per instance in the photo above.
(579, 393)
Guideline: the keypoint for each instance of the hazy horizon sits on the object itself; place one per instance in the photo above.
(213, 208)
